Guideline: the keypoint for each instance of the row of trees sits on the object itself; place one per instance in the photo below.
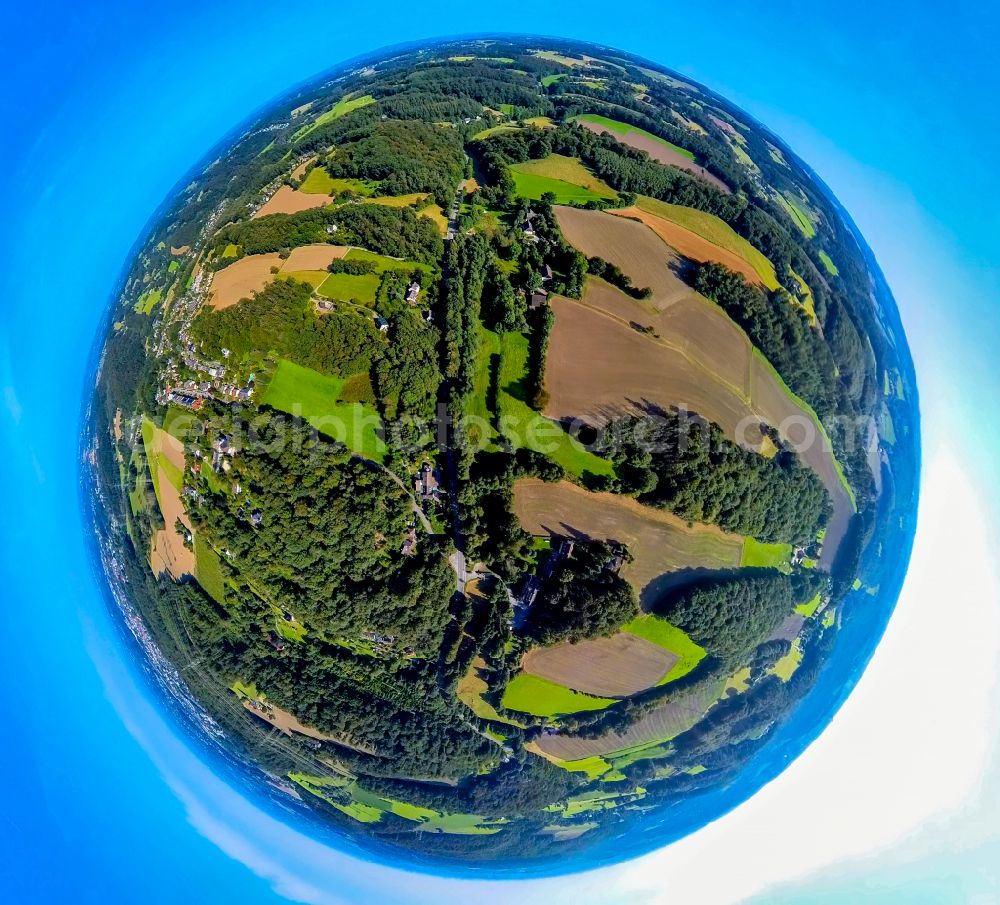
(687, 465)
(393, 231)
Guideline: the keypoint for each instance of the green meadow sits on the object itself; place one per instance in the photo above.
(350, 287)
(798, 213)
(316, 398)
(208, 570)
(757, 554)
(669, 637)
(565, 177)
(530, 694)
(319, 182)
(344, 106)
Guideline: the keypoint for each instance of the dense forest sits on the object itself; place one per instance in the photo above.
(731, 616)
(687, 465)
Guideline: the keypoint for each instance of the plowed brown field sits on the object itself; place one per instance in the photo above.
(608, 667)
(288, 201)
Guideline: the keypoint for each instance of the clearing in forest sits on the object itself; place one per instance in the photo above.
(344, 106)
(315, 397)
(565, 177)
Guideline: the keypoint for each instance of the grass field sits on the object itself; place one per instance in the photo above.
(470, 691)
(316, 398)
(367, 807)
(398, 200)
(808, 300)
(529, 694)
(808, 609)
(568, 179)
(828, 263)
(148, 301)
(350, 287)
(344, 106)
(798, 213)
(552, 79)
(620, 128)
(320, 182)
(208, 570)
(787, 665)
(165, 455)
(714, 230)
(757, 554)
(671, 638)
(476, 402)
(495, 130)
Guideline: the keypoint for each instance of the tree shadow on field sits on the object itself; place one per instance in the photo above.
(656, 596)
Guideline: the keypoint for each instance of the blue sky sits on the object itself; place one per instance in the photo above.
(105, 105)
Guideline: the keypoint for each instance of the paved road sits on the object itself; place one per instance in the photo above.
(457, 562)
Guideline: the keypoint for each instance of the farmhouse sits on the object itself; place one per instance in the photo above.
(427, 485)
(538, 298)
(382, 324)
(413, 293)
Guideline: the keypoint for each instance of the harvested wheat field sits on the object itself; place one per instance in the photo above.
(660, 543)
(686, 320)
(599, 367)
(667, 721)
(168, 553)
(313, 257)
(608, 667)
(630, 245)
(690, 244)
(658, 150)
(288, 201)
(242, 278)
